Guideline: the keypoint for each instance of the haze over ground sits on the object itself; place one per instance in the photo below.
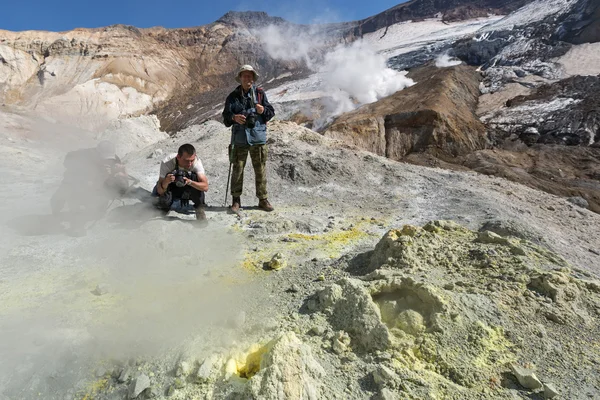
(498, 298)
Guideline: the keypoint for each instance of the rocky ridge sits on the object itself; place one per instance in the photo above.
(449, 10)
(435, 116)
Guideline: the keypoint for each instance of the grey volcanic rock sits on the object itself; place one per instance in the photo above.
(252, 20)
(172, 300)
(582, 25)
(418, 119)
(452, 10)
(573, 121)
(419, 57)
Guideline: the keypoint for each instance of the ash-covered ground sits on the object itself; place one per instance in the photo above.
(500, 303)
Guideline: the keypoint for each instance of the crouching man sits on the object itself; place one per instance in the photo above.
(182, 177)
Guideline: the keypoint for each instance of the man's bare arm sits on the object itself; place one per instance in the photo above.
(163, 183)
(202, 183)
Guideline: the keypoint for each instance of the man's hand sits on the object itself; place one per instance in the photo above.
(239, 118)
(260, 109)
(187, 181)
(167, 181)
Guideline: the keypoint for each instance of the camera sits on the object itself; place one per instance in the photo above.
(251, 118)
(180, 174)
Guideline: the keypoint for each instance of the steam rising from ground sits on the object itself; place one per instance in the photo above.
(351, 75)
(445, 60)
(356, 75)
(290, 44)
(161, 288)
(160, 282)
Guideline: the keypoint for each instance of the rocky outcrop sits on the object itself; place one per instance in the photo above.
(435, 116)
(583, 25)
(560, 170)
(566, 112)
(452, 10)
(88, 77)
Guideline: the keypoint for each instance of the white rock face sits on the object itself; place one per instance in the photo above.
(288, 371)
(131, 134)
(16, 67)
(94, 104)
(87, 78)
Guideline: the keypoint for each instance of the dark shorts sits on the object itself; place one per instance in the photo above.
(176, 193)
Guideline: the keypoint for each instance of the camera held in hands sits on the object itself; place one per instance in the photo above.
(180, 174)
(250, 118)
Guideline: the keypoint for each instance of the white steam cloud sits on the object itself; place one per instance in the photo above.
(290, 44)
(163, 282)
(356, 75)
(444, 60)
(350, 75)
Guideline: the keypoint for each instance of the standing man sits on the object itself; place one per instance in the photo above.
(247, 111)
(182, 177)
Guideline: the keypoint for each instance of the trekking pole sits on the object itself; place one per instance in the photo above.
(230, 150)
(227, 187)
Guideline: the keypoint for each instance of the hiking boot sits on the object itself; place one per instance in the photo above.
(200, 214)
(265, 205)
(201, 217)
(236, 204)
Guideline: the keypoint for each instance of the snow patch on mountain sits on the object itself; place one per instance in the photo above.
(409, 36)
(530, 13)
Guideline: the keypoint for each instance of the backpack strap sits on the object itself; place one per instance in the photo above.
(259, 95)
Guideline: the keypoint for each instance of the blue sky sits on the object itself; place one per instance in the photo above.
(61, 15)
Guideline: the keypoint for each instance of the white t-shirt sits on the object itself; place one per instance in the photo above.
(170, 163)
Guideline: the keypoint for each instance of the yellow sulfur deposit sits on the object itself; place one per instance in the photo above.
(94, 388)
(277, 262)
(246, 365)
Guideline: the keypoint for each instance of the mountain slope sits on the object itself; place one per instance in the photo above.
(450, 10)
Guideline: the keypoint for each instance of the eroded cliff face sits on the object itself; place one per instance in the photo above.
(435, 116)
(88, 77)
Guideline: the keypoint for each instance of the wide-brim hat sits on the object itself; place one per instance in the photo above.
(246, 68)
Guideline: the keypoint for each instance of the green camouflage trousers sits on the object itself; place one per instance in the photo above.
(258, 154)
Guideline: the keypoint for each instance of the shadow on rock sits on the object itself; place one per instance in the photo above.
(132, 216)
(37, 225)
(72, 223)
(139, 193)
(359, 265)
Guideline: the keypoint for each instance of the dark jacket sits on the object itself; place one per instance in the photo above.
(239, 103)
